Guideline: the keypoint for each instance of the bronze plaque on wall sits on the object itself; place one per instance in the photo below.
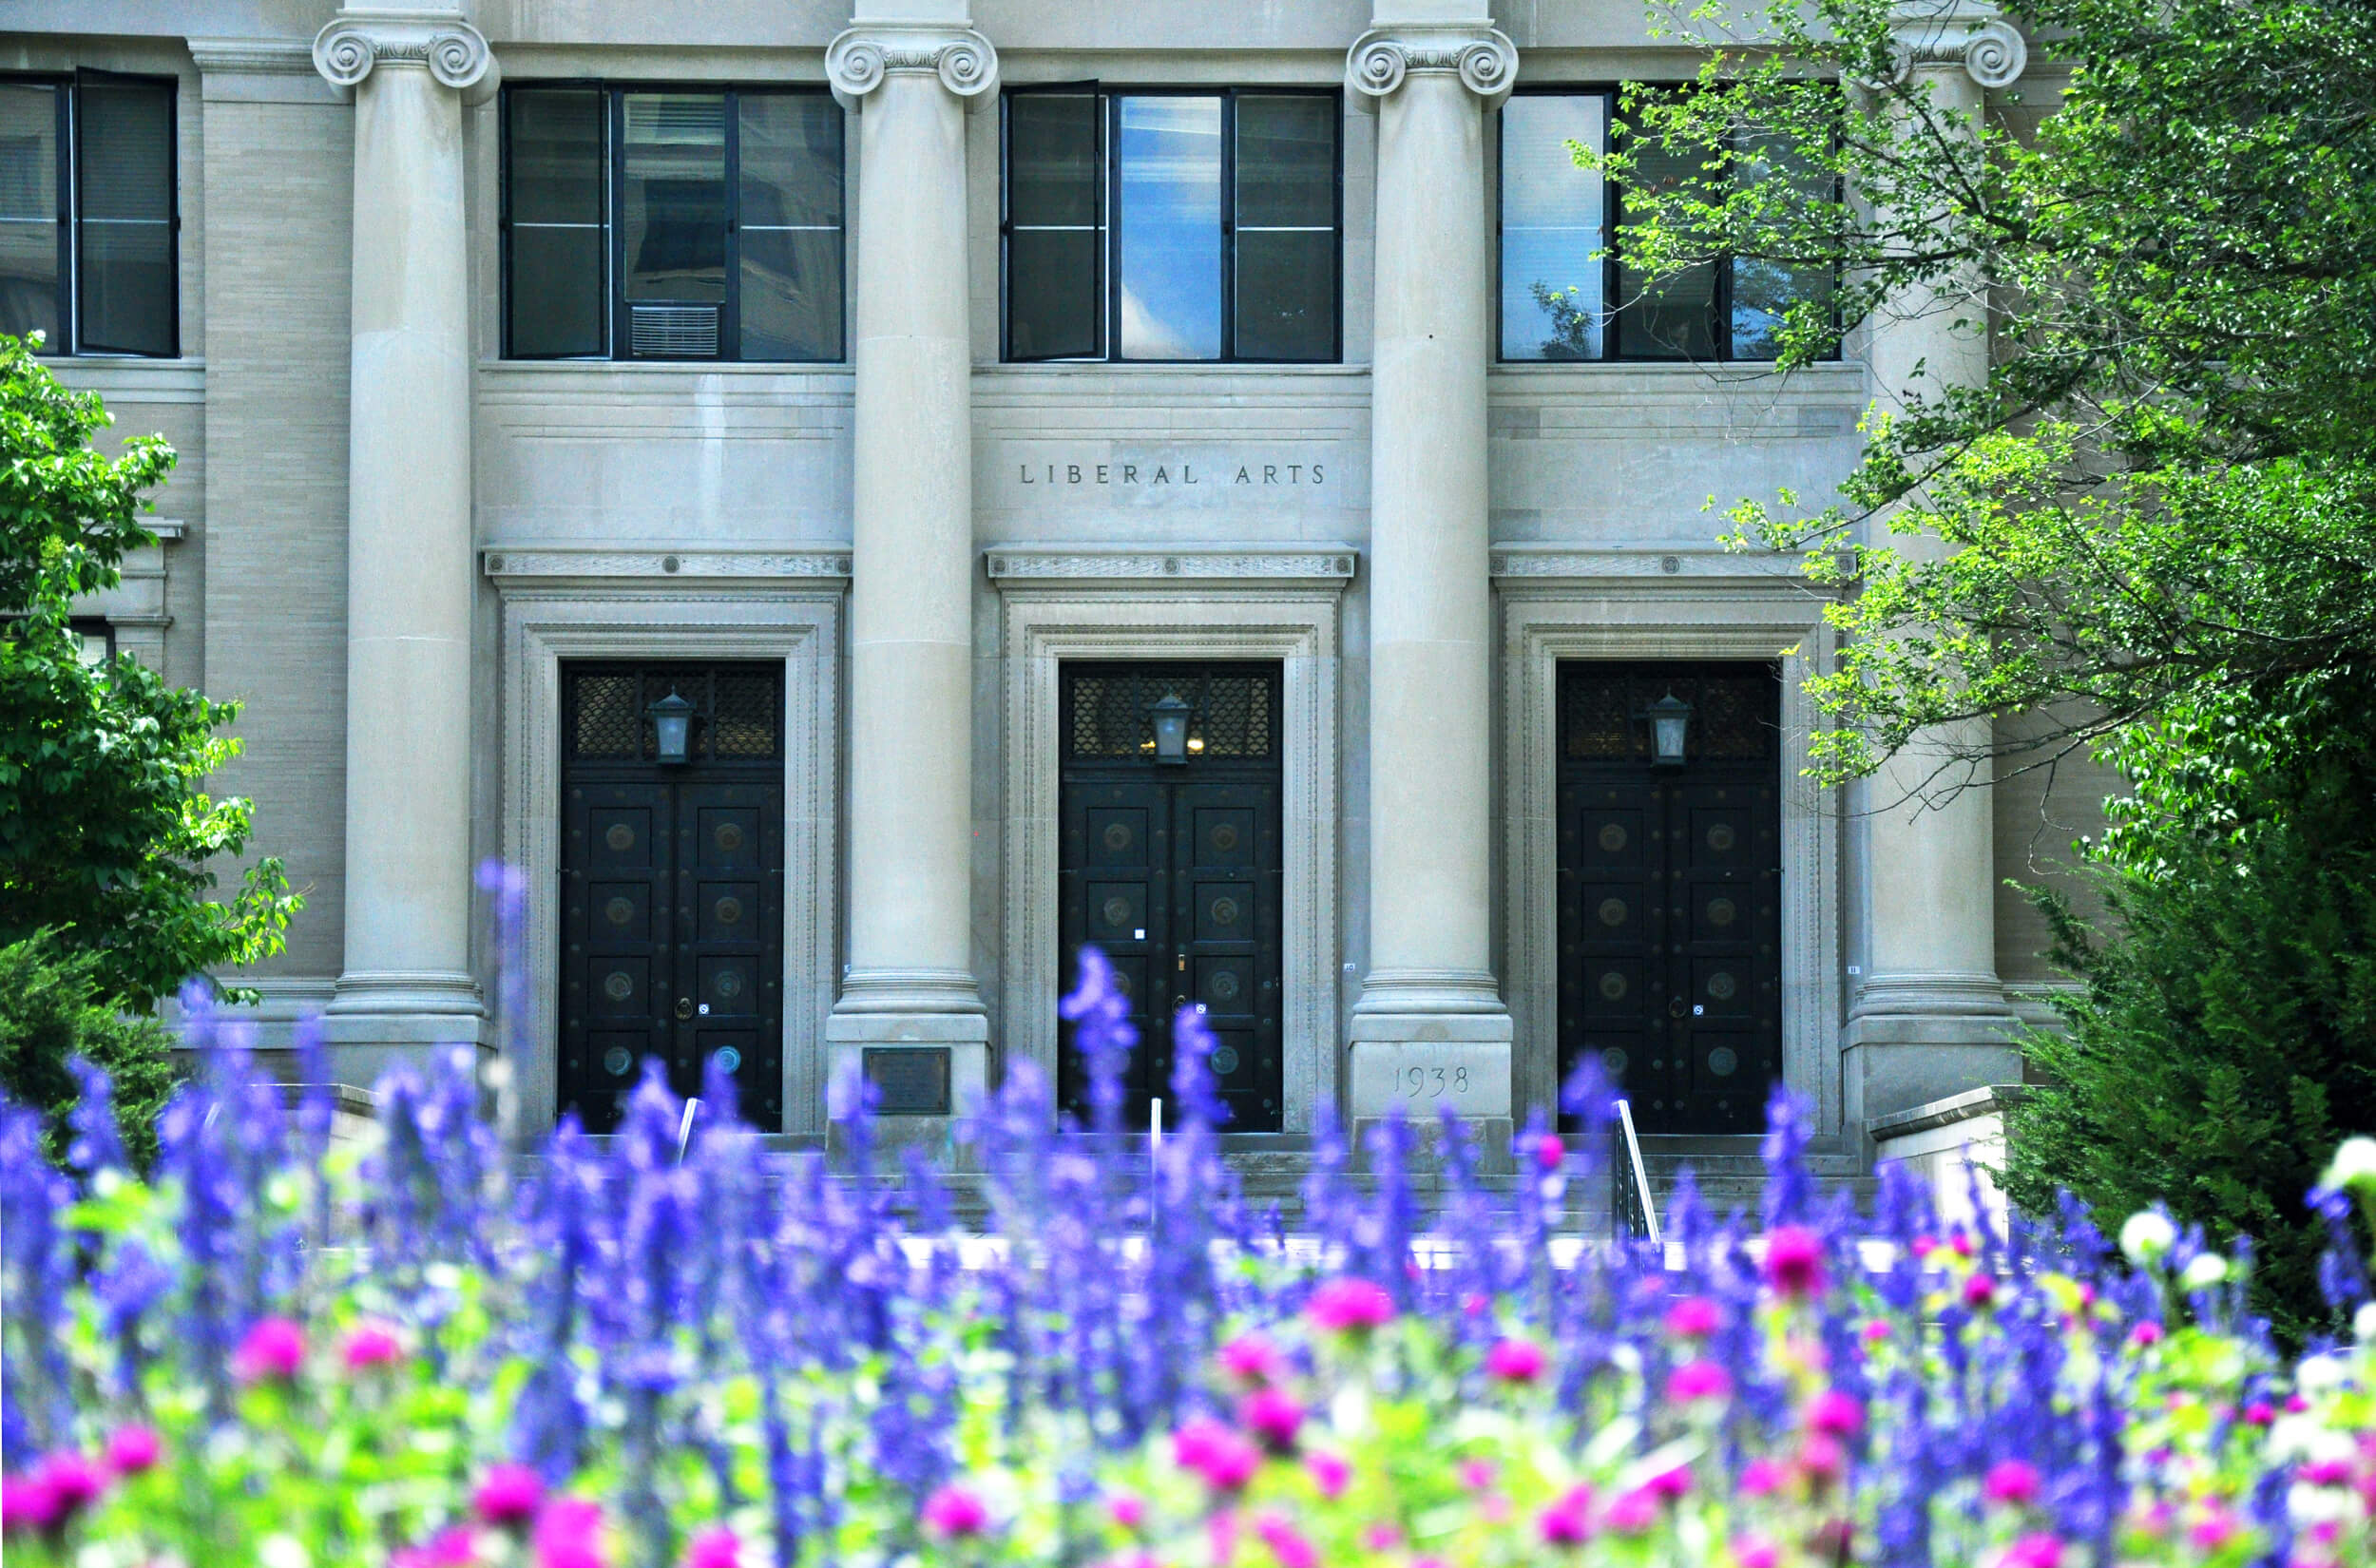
(908, 1081)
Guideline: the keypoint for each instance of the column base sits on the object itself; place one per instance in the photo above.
(1911, 1039)
(923, 1038)
(379, 1019)
(1426, 1039)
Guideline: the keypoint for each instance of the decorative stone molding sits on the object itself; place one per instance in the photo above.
(1335, 565)
(253, 57)
(352, 47)
(1959, 33)
(511, 565)
(1571, 563)
(1483, 59)
(857, 61)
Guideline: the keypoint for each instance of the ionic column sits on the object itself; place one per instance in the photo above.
(407, 980)
(1430, 1000)
(910, 70)
(1928, 1015)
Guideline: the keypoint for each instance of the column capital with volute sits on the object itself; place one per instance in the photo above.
(1969, 33)
(860, 57)
(360, 39)
(1479, 54)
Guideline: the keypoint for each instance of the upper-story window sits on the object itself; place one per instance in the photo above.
(88, 231)
(1173, 225)
(1561, 301)
(665, 224)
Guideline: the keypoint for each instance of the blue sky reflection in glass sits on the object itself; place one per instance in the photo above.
(1170, 149)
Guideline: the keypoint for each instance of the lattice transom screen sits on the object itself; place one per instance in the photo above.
(1108, 709)
(739, 710)
(1735, 710)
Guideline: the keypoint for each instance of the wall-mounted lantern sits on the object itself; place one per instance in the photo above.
(1171, 717)
(672, 716)
(1670, 726)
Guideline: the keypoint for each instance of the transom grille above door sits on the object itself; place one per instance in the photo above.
(737, 712)
(1109, 710)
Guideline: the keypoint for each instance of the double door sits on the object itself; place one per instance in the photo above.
(672, 889)
(1174, 870)
(1670, 882)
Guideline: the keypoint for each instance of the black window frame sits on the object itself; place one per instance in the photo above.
(617, 321)
(1109, 199)
(1612, 263)
(68, 107)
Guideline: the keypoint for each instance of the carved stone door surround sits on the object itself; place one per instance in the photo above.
(1283, 604)
(1559, 604)
(709, 604)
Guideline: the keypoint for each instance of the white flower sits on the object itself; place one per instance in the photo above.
(2320, 1374)
(2146, 1236)
(2353, 1169)
(2363, 1323)
(2205, 1270)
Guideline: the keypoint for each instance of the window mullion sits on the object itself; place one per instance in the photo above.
(730, 308)
(70, 225)
(1229, 225)
(1109, 217)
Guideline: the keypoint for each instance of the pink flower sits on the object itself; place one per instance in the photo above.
(1821, 1459)
(2145, 1334)
(1224, 1459)
(954, 1513)
(1761, 1478)
(1382, 1536)
(509, 1495)
(1922, 1247)
(2259, 1413)
(274, 1350)
(569, 1533)
(1980, 1291)
(1632, 1513)
(76, 1482)
(1128, 1508)
(2295, 1403)
(1272, 1416)
(373, 1346)
(452, 1548)
(1755, 1551)
(1568, 1521)
(1549, 1152)
(2328, 1472)
(1959, 1243)
(1253, 1359)
(1697, 1380)
(1835, 1414)
(1330, 1474)
(1349, 1305)
(716, 1547)
(2010, 1481)
(1875, 1330)
(1286, 1544)
(1515, 1361)
(1693, 1317)
(1793, 1262)
(27, 1504)
(133, 1448)
(2214, 1529)
(1669, 1485)
(1477, 1474)
(2034, 1551)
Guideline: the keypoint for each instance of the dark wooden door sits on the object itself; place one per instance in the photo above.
(1670, 892)
(672, 887)
(1174, 871)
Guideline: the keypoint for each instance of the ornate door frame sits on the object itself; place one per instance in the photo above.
(707, 605)
(1559, 604)
(1281, 603)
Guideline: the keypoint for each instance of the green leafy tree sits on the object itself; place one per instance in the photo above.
(50, 1012)
(106, 832)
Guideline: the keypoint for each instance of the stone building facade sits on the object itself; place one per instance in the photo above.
(1165, 476)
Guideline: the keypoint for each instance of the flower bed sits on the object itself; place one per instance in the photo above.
(289, 1354)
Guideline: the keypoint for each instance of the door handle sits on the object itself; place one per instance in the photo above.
(1675, 1007)
(684, 1006)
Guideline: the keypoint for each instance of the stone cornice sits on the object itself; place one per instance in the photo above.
(1515, 560)
(858, 60)
(252, 56)
(1958, 33)
(358, 42)
(1072, 564)
(529, 565)
(1483, 59)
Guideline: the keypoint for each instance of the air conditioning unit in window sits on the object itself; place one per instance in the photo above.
(672, 332)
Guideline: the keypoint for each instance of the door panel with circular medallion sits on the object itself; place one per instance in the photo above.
(672, 887)
(1670, 882)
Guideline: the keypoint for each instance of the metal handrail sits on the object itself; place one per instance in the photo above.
(1630, 1203)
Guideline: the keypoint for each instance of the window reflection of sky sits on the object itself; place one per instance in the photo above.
(1171, 228)
(1551, 223)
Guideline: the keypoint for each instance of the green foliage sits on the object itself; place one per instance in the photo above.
(48, 1013)
(105, 831)
(2229, 1037)
(2166, 486)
